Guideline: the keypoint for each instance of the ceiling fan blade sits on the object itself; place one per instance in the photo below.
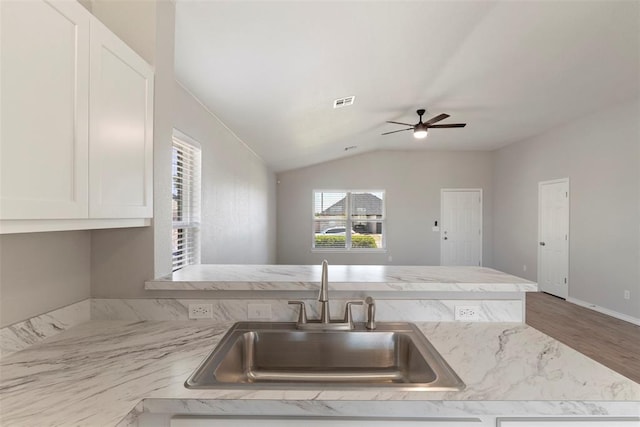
(400, 123)
(436, 119)
(453, 125)
(401, 130)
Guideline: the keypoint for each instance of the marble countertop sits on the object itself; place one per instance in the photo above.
(341, 278)
(97, 372)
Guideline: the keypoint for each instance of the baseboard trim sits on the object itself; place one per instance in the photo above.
(606, 311)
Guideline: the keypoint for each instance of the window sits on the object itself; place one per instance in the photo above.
(349, 220)
(185, 166)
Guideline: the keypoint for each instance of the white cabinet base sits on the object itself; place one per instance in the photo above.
(45, 225)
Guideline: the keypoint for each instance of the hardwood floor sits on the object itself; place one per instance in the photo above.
(610, 341)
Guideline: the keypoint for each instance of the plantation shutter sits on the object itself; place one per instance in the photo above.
(186, 164)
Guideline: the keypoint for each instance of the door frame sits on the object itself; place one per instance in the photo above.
(442, 191)
(568, 240)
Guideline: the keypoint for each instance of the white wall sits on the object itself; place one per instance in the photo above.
(238, 190)
(601, 156)
(40, 272)
(412, 181)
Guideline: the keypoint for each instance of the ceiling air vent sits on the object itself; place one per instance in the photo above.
(344, 102)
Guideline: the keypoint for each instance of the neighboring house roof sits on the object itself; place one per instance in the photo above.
(363, 204)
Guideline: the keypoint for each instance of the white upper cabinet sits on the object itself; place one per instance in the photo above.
(44, 121)
(121, 129)
(76, 141)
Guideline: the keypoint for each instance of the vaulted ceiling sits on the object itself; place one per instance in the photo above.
(509, 69)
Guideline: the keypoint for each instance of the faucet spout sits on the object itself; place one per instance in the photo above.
(323, 296)
(324, 283)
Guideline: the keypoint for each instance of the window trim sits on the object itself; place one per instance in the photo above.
(348, 221)
(193, 221)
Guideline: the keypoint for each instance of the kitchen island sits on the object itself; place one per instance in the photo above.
(407, 293)
(105, 373)
(342, 278)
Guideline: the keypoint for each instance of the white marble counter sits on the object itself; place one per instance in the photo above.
(215, 277)
(96, 373)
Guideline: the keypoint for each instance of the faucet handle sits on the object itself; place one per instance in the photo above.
(348, 318)
(302, 314)
(371, 313)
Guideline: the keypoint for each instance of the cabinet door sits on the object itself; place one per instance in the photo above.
(44, 110)
(121, 129)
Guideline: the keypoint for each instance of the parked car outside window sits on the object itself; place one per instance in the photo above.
(336, 230)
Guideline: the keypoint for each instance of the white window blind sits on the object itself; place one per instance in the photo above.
(186, 163)
(349, 219)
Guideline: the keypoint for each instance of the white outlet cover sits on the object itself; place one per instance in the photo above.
(200, 311)
(467, 313)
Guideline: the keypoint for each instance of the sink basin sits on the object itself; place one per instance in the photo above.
(277, 355)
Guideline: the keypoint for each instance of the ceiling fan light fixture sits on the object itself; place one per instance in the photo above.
(420, 131)
(420, 134)
(421, 128)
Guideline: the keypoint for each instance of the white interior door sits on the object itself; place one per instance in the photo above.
(461, 227)
(553, 237)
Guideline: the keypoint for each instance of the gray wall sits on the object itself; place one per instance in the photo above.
(600, 155)
(238, 190)
(40, 272)
(412, 181)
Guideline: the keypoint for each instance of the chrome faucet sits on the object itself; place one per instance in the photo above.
(323, 296)
(325, 322)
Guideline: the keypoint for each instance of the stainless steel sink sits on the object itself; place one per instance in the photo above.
(277, 355)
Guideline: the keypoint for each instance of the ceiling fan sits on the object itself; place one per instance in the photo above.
(420, 128)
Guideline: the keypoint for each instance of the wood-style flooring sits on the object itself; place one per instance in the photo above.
(607, 340)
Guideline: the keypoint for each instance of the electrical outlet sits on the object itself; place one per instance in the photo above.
(200, 311)
(627, 294)
(259, 311)
(469, 313)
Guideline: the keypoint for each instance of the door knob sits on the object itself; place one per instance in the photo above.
(542, 243)
(445, 237)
